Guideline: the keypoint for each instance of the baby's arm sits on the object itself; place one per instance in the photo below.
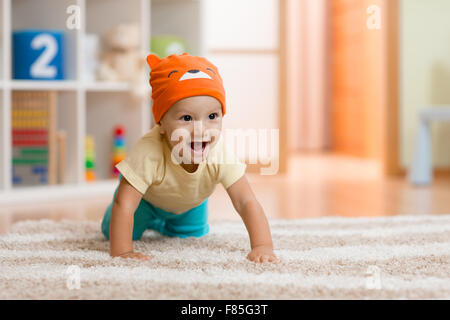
(251, 212)
(125, 204)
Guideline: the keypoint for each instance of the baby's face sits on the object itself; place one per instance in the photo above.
(193, 124)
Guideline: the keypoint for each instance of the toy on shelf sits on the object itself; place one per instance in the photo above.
(122, 60)
(165, 45)
(38, 54)
(119, 148)
(90, 158)
(34, 137)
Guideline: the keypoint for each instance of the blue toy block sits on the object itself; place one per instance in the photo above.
(38, 54)
(119, 141)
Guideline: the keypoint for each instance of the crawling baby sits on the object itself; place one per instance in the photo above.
(168, 175)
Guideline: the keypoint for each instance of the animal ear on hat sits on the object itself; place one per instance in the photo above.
(153, 60)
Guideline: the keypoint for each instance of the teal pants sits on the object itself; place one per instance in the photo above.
(192, 223)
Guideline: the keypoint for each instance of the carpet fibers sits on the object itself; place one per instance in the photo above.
(405, 257)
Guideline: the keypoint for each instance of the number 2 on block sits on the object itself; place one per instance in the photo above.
(40, 68)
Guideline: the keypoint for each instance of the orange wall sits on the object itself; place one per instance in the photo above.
(307, 75)
(357, 79)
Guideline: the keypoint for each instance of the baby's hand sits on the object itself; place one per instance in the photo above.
(135, 255)
(262, 254)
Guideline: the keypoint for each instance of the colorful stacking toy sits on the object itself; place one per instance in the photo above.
(90, 158)
(119, 148)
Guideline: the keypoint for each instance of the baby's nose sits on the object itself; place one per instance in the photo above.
(193, 71)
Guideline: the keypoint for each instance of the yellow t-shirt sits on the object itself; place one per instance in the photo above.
(148, 167)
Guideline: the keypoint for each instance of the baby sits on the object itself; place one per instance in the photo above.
(168, 175)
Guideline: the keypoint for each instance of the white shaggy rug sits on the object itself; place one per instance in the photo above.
(328, 258)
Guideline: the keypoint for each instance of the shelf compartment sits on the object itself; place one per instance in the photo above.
(39, 120)
(119, 12)
(48, 15)
(103, 113)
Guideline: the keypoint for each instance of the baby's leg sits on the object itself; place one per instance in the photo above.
(141, 220)
(192, 223)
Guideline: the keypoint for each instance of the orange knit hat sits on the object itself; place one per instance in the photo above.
(180, 76)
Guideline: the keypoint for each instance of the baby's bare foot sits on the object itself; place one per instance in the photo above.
(262, 254)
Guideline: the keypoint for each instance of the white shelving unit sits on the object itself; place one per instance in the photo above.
(86, 107)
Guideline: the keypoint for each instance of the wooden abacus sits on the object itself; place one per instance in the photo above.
(34, 137)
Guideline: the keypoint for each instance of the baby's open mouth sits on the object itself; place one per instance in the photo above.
(199, 146)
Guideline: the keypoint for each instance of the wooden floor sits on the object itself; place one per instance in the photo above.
(317, 185)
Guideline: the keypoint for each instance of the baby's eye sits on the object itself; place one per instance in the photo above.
(212, 116)
(186, 118)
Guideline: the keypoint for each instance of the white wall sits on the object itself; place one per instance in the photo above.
(243, 24)
(425, 72)
(241, 39)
